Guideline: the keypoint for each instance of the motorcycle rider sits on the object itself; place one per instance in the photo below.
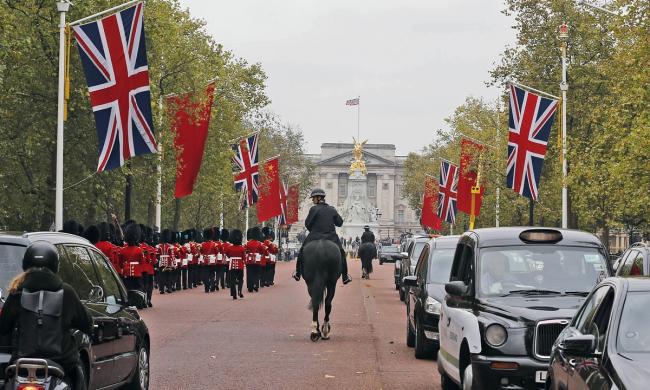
(321, 222)
(40, 266)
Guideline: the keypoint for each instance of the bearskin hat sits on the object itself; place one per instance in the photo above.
(254, 233)
(266, 231)
(104, 231)
(207, 234)
(225, 235)
(92, 234)
(166, 236)
(71, 226)
(236, 237)
(132, 234)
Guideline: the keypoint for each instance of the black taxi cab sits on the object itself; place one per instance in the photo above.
(511, 292)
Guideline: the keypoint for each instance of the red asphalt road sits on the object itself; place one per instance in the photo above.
(209, 341)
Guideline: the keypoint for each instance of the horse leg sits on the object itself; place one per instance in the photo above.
(315, 326)
(327, 328)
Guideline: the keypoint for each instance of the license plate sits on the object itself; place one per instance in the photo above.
(540, 376)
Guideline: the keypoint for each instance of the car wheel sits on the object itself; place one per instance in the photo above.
(410, 336)
(468, 378)
(421, 351)
(140, 380)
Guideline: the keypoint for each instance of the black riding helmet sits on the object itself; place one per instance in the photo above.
(317, 192)
(41, 254)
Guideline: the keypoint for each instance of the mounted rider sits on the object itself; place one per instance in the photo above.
(321, 222)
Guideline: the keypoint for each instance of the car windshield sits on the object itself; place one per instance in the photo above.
(540, 270)
(11, 257)
(440, 261)
(633, 330)
(417, 250)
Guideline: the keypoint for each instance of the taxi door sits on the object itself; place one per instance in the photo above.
(455, 313)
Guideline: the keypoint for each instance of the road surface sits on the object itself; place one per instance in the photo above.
(209, 341)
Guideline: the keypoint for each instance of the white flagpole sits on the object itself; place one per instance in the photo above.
(246, 232)
(497, 210)
(358, 115)
(159, 168)
(104, 12)
(62, 7)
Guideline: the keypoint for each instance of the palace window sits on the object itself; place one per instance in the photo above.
(343, 185)
(400, 216)
(372, 185)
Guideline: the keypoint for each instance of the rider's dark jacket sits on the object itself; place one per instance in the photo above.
(368, 236)
(321, 222)
(74, 315)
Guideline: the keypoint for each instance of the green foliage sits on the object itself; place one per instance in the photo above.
(182, 58)
(608, 119)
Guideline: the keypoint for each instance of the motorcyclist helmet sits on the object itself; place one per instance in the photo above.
(41, 254)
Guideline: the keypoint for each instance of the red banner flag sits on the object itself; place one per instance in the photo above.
(469, 153)
(268, 203)
(429, 217)
(191, 121)
(293, 202)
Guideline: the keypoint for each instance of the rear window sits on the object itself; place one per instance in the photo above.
(11, 264)
(390, 249)
(417, 251)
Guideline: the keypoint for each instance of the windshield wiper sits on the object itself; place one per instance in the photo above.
(580, 293)
(532, 292)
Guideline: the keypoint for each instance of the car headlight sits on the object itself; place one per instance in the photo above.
(496, 335)
(432, 306)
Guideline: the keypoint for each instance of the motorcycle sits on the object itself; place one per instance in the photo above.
(36, 374)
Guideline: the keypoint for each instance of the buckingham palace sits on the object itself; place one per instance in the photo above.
(370, 196)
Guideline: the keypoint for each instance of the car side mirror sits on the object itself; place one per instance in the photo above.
(96, 294)
(457, 288)
(579, 345)
(137, 298)
(404, 255)
(410, 281)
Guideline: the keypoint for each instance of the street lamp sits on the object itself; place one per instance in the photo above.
(62, 7)
(564, 87)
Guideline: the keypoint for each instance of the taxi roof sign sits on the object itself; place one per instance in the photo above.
(540, 236)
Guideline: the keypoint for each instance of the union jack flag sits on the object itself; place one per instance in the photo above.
(530, 121)
(114, 58)
(246, 175)
(283, 203)
(448, 191)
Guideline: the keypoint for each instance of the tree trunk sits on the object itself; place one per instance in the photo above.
(127, 195)
(177, 214)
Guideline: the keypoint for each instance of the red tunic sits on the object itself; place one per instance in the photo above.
(272, 249)
(236, 254)
(131, 259)
(207, 250)
(111, 251)
(165, 256)
(255, 252)
(149, 254)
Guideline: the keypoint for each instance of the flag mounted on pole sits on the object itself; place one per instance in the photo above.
(429, 217)
(530, 120)
(283, 204)
(293, 202)
(447, 191)
(114, 59)
(268, 204)
(191, 121)
(246, 175)
(470, 152)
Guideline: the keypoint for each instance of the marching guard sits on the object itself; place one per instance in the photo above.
(254, 252)
(269, 272)
(132, 258)
(209, 260)
(236, 252)
(222, 271)
(165, 259)
(149, 253)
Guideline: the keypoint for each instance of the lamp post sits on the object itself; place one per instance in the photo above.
(564, 87)
(62, 7)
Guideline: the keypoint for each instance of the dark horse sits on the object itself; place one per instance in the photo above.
(367, 252)
(321, 270)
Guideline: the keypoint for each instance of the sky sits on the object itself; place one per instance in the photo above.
(412, 62)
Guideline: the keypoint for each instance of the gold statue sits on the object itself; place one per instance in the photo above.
(358, 164)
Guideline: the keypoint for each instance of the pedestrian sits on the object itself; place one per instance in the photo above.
(236, 253)
(321, 222)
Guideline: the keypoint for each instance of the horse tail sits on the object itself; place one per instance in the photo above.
(317, 290)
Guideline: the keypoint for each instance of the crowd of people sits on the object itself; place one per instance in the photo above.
(172, 261)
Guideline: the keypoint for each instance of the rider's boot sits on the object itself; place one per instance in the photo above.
(344, 268)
